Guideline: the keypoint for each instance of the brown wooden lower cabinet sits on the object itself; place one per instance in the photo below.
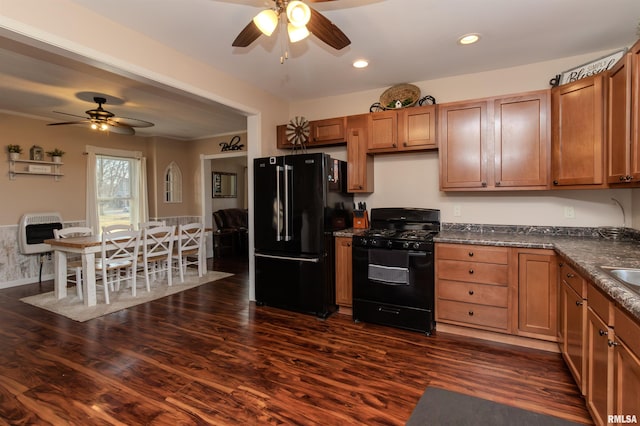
(537, 294)
(626, 366)
(599, 393)
(343, 273)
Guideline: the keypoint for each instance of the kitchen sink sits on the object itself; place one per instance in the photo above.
(627, 276)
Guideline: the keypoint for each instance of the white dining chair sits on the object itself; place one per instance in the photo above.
(157, 249)
(188, 248)
(74, 265)
(151, 224)
(119, 254)
(117, 227)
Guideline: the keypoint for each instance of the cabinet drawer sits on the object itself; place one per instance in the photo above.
(469, 313)
(627, 330)
(487, 273)
(473, 293)
(499, 255)
(599, 303)
(573, 279)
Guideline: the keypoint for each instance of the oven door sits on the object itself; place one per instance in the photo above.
(397, 277)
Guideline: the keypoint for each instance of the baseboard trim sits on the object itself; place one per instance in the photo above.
(508, 339)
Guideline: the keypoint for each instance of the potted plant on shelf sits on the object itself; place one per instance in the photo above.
(56, 155)
(14, 151)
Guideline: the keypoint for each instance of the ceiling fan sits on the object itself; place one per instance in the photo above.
(101, 119)
(301, 20)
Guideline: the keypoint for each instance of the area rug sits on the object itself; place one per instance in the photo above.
(72, 307)
(439, 407)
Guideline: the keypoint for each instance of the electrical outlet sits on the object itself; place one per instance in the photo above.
(49, 255)
(569, 212)
(457, 211)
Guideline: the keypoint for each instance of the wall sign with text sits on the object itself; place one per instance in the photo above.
(590, 68)
(233, 145)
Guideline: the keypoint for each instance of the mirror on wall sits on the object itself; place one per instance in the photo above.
(224, 184)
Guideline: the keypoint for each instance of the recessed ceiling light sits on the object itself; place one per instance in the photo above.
(360, 63)
(469, 39)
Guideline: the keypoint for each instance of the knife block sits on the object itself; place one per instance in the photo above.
(360, 219)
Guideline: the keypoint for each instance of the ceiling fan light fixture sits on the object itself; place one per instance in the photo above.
(266, 21)
(297, 33)
(298, 13)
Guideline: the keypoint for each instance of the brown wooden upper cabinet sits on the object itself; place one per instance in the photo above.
(331, 131)
(623, 115)
(498, 143)
(577, 135)
(407, 129)
(359, 163)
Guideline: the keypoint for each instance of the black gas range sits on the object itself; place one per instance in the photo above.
(393, 269)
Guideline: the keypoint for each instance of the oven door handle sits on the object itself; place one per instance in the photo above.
(387, 282)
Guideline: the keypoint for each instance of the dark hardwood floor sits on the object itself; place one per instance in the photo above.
(209, 356)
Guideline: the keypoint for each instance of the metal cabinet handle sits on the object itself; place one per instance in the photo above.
(570, 275)
(484, 184)
(602, 332)
(579, 303)
(555, 182)
(611, 343)
(471, 271)
(470, 292)
(498, 183)
(405, 144)
(470, 254)
(470, 313)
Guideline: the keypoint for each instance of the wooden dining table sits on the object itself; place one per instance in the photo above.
(87, 247)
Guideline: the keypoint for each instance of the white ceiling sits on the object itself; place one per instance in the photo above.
(404, 41)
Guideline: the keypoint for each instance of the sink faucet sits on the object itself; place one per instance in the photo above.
(624, 219)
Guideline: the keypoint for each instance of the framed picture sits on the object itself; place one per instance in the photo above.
(36, 153)
(224, 185)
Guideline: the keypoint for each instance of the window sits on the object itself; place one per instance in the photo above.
(116, 188)
(172, 184)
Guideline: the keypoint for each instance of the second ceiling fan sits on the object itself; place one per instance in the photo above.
(301, 20)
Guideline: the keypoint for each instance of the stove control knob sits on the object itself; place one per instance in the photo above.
(416, 246)
(405, 245)
(389, 243)
(364, 242)
(374, 242)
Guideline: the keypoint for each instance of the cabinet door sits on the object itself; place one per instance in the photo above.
(359, 163)
(463, 145)
(522, 141)
(619, 122)
(599, 368)
(537, 295)
(417, 128)
(343, 272)
(573, 324)
(383, 131)
(635, 111)
(329, 131)
(626, 367)
(578, 133)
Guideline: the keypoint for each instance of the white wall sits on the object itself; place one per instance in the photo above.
(411, 179)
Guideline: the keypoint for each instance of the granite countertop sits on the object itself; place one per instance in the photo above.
(584, 253)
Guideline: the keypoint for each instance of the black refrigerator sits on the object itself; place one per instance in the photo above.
(299, 201)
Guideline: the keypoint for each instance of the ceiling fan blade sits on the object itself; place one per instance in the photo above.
(121, 129)
(131, 122)
(69, 122)
(247, 36)
(326, 31)
(71, 115)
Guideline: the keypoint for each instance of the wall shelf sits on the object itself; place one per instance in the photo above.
(34, 167)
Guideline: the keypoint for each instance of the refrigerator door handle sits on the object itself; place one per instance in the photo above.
(279, 230)
(297, 259)
(287, 235)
